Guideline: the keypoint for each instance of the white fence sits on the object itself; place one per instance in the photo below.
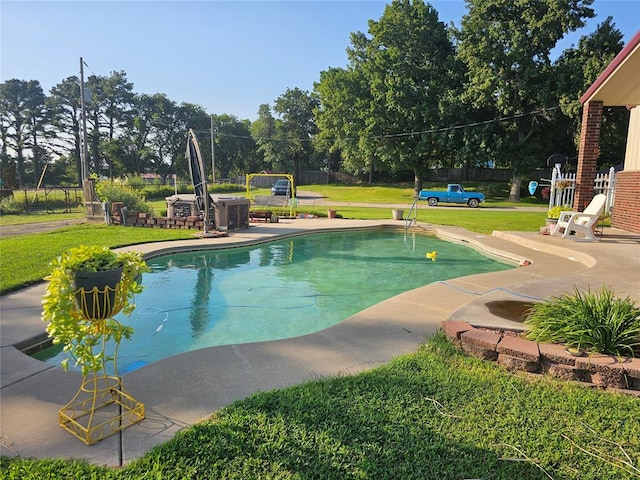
(563, 188)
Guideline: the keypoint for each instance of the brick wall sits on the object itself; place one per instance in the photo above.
(626, 209)
(588, 154)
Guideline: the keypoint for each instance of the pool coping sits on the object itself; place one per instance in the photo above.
(184, 389)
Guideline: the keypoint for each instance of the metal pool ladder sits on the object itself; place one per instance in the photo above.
(412, 216)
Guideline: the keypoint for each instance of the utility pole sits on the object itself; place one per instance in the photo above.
(85, 150)
(213, 154)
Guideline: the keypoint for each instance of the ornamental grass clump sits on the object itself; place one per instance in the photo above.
(596, 322)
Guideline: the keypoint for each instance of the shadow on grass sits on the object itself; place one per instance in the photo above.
(384, 424)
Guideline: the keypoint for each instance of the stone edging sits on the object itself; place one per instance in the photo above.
(518, 354)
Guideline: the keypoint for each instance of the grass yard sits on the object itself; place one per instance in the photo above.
(434, 414)
(37, 217)
(403, 193)
(475, 220)
(26, 258)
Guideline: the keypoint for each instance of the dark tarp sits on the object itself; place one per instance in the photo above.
(198, 177)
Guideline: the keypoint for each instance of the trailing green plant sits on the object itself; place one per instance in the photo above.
(592, 321)
(115, 191)
(67, 324)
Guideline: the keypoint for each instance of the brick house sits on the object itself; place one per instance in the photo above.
(618, 85)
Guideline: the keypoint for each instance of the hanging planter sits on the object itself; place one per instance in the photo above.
(95, 295)
(87, 286)
(562, 184)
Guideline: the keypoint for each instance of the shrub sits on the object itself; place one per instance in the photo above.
(11, 206)
(136, 182)
(226, 188)
(531, 199)
(113, 191)
(157, 192)
(596, 322)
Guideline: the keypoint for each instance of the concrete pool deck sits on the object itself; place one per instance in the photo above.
(186, 388)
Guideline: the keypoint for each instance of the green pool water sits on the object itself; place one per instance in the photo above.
(281, 289)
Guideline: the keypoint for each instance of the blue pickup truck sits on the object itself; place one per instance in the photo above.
(454, 194)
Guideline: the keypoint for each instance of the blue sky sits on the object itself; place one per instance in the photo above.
(227, 56)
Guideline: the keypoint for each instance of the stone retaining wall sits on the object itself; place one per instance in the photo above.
(518, 354)
(138, 219)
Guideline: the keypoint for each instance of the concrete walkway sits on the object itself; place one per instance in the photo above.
(186, 388)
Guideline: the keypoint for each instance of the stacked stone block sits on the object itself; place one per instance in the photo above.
(517, 354)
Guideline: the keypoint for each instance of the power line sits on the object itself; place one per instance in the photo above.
(398, 135)
(474, 124)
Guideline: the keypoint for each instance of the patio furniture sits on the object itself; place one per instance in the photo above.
(573, 224)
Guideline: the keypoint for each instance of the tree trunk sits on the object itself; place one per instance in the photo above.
(514, 193)
(370, 171)
(417, 184)
(21, 169)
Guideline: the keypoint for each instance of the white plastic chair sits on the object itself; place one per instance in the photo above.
(581, 222)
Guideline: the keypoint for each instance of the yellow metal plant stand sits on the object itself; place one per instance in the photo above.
(102, 406)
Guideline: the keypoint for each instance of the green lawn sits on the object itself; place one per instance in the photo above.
(433, 414)
(475, 220)
(37, 217)
(495, 193)
(26, 258)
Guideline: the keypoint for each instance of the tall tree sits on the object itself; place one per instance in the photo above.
(189, 115)
(66, 116)
(131, 152)
(506, 47)
(264, 132)
(296, 127)
(108, 106)
(411, 72)
(235, 152)
(22, 115)
(286, 141)
(401, 75)
(164, 125)
(342, 119)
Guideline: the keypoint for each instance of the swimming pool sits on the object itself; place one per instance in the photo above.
(280, 289)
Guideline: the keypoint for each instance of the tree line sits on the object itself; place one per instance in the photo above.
(416, 94)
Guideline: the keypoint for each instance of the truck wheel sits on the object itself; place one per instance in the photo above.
(473, 202)
(433, 201)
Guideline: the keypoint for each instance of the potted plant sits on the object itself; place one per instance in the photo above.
(553, 214)
(88, 285)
